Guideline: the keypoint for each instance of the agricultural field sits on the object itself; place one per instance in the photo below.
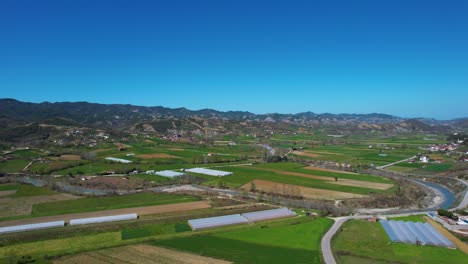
(40, 245)
(138, 254)
(294, 241)
(110, 202)
(377, 155)
(144, 156)
(18, 200)
(292, 176)
(363, 242)
(27, 201)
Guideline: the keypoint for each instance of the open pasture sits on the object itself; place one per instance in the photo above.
(290, 241)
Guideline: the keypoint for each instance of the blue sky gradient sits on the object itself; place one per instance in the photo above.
(407, 58)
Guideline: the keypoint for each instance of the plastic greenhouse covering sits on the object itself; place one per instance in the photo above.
(103, 219)
(217, 221)
(19, 228)
(413, 233)
(269, 214)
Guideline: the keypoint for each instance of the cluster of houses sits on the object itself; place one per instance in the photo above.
(442, 147)
(7, 157)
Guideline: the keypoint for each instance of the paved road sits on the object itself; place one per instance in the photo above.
(464, 202)
(393, 163)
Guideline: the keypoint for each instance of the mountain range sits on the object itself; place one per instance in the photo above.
(16, 115)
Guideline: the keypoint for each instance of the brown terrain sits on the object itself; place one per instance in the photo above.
(138, 254)
(7, 193)
(70, 157)
(146, 210)
(295, 190)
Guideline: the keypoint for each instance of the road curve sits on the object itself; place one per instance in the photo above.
(327, 252)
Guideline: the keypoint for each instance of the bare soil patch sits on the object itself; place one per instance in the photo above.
(138, 254)
(146, 210)
(157, 156)
(7, 193)
(70, 157)
(177, 149)
(306, 154)
(330, 170)
(122, 145)
(311, 193)
(23, 205)
(364, 184)
(325, 152)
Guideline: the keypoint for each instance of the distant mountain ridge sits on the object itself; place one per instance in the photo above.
(80, 111)
(23, 120)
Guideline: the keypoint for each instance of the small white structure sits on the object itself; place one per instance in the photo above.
(210, 172)
(103, 219)
(169, 173)
(118, 160)
(424, 159)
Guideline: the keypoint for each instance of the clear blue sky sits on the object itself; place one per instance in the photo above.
(408, 58)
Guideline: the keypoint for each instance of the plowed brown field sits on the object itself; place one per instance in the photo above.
(311, 193)
(138, 254)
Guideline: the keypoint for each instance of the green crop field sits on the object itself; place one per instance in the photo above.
(245, 174)
(11, 166)
(108, 203)
(9, 187)
(153, 230)
(26, 190)
(290, 243)
(362, 242)
(297, 167)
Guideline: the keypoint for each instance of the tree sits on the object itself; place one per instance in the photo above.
(253, 187)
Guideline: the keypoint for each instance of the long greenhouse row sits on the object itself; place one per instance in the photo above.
(217, 221)
(415, 233)
(81, 221)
